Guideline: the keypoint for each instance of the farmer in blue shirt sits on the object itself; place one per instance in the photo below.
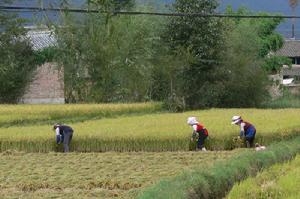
(247, 131)
(64, 135)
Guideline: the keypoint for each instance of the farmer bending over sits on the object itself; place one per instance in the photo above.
(200, 133)
(247, 132)
(64, 135)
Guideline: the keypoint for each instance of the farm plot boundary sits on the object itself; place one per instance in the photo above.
(279, 181)
(218, 180)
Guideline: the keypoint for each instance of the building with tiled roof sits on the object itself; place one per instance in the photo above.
(290, 76)
(291, 49)
(41, 38)
(47, 86)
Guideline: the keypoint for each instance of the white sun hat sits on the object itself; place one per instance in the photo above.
(192, 120)
(236, 119)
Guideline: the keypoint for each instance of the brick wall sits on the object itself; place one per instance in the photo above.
(47, 86)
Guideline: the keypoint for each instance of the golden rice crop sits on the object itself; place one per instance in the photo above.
(155, 132)
(23, 114)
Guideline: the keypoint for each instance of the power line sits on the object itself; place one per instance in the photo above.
(216, 15)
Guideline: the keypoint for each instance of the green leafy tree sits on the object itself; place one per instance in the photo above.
(106, 58)
(270, 41)
(111, 5)
(17, 60)
(200, 78)
(245, 80)
(248, 59)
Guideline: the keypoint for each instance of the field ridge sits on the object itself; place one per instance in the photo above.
(215, 182)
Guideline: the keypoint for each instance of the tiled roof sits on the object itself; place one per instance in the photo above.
(291, 48)
(41, 39)
(293, 71)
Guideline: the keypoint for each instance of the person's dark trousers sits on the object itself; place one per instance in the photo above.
(250, 136)
(249, 142)
(201, 140)
(67, 140)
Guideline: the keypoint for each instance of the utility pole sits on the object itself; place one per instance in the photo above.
(293, 5)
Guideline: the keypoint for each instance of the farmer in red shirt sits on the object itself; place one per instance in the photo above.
(200, 133)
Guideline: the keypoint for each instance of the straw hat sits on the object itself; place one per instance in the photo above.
(192, 121)
(236, 119)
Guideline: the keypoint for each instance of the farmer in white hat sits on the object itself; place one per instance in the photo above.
(64, 135)
(247, 131)
(199, 134)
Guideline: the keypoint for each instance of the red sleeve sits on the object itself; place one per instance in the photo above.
(200, 127)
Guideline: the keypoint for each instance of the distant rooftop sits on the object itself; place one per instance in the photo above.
(291, 48)
(41, 38)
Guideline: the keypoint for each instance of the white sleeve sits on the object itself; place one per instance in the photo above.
(57, 131)
(195, 127)
(242, 126)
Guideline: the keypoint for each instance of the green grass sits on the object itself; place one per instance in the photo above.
(287, 101)
(11, 115)
(279, 182)
(216, 181)
(93, 175)
(155, 132)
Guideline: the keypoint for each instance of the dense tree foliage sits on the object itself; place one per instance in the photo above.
(249, 57)
(106, 58)
(17, 60)
(111, 5)
(187, 62)
(245, 82)
(202, 38)
(269, 40)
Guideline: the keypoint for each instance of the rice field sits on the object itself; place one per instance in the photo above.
(155, 132)
(154, 145)
(93, 175)
(279, 182)
(11, 115)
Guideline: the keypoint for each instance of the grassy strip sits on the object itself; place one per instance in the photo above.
(218, 180)
(17, 115)
(280, 181)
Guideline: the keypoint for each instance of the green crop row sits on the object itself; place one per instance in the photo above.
(11, 115)
(215, 182)
(280, 181)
